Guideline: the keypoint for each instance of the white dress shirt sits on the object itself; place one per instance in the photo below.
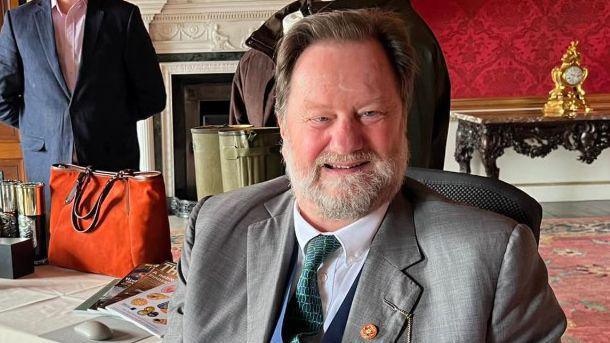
(337, 274)
(69, 29)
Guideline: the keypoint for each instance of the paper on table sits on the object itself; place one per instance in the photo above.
(86, 306)
(147, 310)
(8, 334)
(159, 275)
(14, 297)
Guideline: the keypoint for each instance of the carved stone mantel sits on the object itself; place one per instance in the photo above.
(178, 26)
(149, 8)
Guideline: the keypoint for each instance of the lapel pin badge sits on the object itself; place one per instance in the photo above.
(368, 331)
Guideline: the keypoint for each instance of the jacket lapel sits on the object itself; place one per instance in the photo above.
(44, 26)
(386, 294)
(270, 247)
(93, 22)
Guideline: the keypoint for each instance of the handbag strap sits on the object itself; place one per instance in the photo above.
(79, 190)
(81, 182)
(77, 184)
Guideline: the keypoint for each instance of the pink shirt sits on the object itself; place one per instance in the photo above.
(69, 28)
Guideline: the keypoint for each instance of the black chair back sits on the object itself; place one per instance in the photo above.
(483, 192)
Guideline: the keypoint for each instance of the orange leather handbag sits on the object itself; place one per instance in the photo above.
(106, 222)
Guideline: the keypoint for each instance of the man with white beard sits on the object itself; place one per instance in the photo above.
(345, 248)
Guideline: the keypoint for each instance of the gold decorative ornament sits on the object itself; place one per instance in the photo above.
(568, 96)
(368, 331)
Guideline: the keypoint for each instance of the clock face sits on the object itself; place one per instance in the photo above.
(573, 75)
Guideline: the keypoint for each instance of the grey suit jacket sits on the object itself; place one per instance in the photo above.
(436, 272)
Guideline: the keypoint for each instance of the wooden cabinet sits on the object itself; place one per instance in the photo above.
(11, 159)
(6, 5)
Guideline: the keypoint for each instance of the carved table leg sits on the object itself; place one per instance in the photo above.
(492, 143)
(491, 169)
(464, 145)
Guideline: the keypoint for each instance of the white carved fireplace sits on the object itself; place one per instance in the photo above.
(184, 31)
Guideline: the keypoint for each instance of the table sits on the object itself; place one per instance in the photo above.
(43, 302)
(529, 133)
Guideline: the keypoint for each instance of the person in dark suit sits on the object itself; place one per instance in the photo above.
(75, 77)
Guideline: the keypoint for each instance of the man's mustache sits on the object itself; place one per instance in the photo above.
(358, 156)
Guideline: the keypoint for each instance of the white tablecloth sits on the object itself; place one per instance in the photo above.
(43, 302)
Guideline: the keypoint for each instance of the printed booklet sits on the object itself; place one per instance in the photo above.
(148, 309)
(113, 288)
(141, 279)
(158, 275)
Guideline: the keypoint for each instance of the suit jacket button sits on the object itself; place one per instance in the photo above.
(368, 331)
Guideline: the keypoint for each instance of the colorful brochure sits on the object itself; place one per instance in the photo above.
(148, 309)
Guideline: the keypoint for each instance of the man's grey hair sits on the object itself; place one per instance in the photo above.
(346, 26)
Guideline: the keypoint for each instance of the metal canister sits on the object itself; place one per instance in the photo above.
(208, 174)
(31, 219)
(8, 213)
(249, 156)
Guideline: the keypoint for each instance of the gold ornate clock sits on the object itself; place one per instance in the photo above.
(568, 96)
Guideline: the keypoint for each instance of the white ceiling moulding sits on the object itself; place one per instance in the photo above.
(204, 26)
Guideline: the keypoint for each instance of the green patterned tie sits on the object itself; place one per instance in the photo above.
(304, 314)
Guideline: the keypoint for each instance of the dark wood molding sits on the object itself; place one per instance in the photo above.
(596, 101)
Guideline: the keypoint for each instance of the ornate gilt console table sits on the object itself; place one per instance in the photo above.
(529, 133)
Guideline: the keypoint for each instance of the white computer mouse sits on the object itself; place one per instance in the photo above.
(94, 330)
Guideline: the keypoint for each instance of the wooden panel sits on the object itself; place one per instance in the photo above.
(12, 169)
(8, 133)
(2, 10)
(10, 150)
(6, 5)
(11, 158)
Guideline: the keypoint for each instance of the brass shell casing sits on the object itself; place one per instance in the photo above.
(30, 199)
(8, 199)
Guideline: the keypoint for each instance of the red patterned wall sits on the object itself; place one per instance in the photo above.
(506, 48)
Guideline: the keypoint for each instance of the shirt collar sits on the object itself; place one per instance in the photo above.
(54, 4)
(355, 238)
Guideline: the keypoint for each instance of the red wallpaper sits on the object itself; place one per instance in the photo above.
(501, 48)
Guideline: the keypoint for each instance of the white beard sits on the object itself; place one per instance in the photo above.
(353, 196)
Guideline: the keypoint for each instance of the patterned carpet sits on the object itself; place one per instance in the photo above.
(577, 255)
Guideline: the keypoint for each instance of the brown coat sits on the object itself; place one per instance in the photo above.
(253, 92)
